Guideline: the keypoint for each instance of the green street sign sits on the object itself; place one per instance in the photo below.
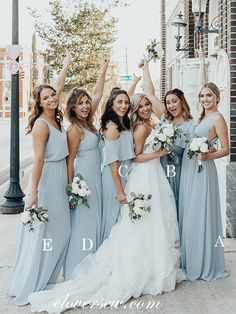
(126, 77)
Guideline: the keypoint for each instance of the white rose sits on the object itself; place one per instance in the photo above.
(194, 147)
(203, 139)
(138, 203)
(138, 211)
(204, 148)
(25, 217)
(45, 215)
(168, 131)
(83, 183)
(82, 192)
(76, 179)
(147, 203)
(162, 137)
(75, 188)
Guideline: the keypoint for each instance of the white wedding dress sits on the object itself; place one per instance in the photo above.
(137, 258)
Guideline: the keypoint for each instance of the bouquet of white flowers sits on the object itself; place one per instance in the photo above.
(139, 205)
(78, 191)
(166, 133)
(198, 145)
(34, 216)
(154, 51)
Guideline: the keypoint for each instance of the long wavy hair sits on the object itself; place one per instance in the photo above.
(135, 102)
(37, 110)
(73, 98)
(214, 90)
(185, 106)
(110, 115)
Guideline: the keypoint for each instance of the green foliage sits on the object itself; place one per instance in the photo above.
(86, 31)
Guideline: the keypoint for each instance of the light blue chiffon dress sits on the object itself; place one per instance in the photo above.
(121, 150)
(202, 254)
(42, 252)
(177, 150)
(86, 222)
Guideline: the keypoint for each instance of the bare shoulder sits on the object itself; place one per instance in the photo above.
(74, 133)
(112, 133)
(219, 119)
(140, 130)
(40, 128)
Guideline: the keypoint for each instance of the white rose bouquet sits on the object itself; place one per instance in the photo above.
(198, 145)
(34, 216)
(166, 133)
(139, 205)
(154, 51)
(78, 191)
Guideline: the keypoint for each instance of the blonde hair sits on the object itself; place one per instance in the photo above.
(214, 90)
(135, 102)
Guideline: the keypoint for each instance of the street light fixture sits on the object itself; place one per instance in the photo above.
(199, 8)
(179, 24)
(14, 203)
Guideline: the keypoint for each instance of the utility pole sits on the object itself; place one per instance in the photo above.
(14, 203)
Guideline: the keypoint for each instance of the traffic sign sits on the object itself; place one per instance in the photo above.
(126, 77)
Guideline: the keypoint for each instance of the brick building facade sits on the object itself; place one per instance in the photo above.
(180, 69)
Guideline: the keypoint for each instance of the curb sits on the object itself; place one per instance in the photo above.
(5, 172)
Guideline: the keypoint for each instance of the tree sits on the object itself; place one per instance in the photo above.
(87, 31)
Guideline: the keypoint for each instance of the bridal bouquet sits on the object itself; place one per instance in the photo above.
(139, 206)
(34, 216)
(198, 145)
(166, 133)
(154, 51)
(78, 191)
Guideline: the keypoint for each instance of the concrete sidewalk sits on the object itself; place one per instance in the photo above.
(189, 297)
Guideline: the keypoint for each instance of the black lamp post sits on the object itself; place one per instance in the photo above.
(199, 9)
(179, 23)
(14, 203)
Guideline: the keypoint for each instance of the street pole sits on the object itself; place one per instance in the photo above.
(14, 203)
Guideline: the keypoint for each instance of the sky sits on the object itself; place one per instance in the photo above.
(138, 23)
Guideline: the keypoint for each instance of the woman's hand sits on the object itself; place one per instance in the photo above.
(199, 52)
(136, 78)
(162, 152)
(203, 156)
(121, 197)
(105, 63)
(142, 62)
(67, 61)
(33, 200)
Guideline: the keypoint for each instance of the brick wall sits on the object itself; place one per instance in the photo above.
(227, 36)
(163, 43)
(189, 29)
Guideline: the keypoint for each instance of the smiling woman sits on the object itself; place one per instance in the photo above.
(47, 190)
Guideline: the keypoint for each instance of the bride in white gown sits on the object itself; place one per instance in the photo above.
(137, 258)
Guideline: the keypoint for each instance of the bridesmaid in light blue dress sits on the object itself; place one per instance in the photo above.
(83, 142)
(176, 110)
(202, 252)
(117, 153)
(41, 253)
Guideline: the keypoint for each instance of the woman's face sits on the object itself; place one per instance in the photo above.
(82, 107)
(144, 109)
(207, 99)
(174, 105)
(48, 99)
(121, 105)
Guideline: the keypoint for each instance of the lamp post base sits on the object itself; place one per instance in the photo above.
(14, 203)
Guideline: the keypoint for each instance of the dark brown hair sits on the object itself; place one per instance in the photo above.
(186, 109)
(37, 110)
(110, 115)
